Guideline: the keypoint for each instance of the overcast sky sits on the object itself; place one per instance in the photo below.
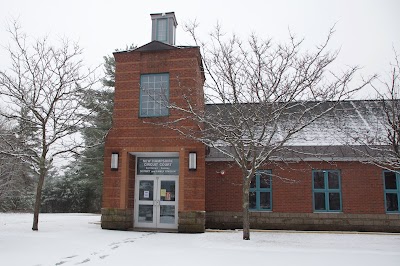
(366, 30)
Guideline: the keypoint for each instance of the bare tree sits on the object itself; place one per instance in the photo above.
(260, 96)
(390, 155)
(44, 89)
(381, 146)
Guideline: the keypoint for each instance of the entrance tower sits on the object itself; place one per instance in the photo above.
(154, 178)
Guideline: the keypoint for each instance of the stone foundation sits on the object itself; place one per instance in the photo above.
(197, 221)
(306, 221)
(116, 219)
(191, 222)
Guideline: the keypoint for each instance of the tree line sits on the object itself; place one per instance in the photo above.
(77, 187)
(52, 112)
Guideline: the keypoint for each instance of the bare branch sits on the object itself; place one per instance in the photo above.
(45, 88)
(261, 96)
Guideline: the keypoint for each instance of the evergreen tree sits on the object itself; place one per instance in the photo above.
(16, 179)
(80, 188)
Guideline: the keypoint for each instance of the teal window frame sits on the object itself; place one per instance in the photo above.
(149, 99)
(326, 190)
(165, 31)
(258, 190)
(395, 191)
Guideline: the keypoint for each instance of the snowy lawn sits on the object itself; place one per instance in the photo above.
(77, 239)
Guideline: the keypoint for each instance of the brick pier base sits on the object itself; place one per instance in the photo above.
(116, 219)
(191, 222)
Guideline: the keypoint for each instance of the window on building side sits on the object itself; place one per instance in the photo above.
(327, 195)
(154, 93)
(392, 191)
(260, 197)
(162, 29)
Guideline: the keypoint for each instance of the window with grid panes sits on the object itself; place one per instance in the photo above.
(154, 94)
(260, 196)
(392, 191)
(327, 194)
(162, 29)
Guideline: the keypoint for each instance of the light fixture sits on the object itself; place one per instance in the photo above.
(192, 161)
(114, 161)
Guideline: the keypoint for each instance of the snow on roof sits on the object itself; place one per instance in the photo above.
(314, 153)
(346, 124)
(351, 123)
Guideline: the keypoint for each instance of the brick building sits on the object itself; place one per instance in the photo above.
(154, 179)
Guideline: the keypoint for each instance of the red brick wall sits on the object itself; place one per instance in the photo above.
(133, 134)
(194, 184)
(223, 192)
(111, 184)
(131, 181)
(362, 187)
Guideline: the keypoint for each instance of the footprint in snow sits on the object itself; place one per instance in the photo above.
(60, 263)
(114, 247)
(86, 260)
(103, 256)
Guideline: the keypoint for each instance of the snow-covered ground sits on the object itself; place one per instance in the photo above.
(77, 239)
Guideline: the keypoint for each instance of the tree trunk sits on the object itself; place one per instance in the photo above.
(246, 219)
(38, 200)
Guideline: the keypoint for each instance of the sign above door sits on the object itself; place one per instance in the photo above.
(158, 166)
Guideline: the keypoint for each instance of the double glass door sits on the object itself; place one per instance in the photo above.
(156, 202)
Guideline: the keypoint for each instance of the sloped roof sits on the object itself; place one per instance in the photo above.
(314, 153)
(347, 122)
(155, 46)
(335, 136)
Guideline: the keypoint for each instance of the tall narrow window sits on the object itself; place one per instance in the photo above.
(154, 94)
(392, 191)
(327, 193)
(260, 196)
(162, 29)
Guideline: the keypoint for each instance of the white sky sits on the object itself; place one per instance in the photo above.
(366, 30)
